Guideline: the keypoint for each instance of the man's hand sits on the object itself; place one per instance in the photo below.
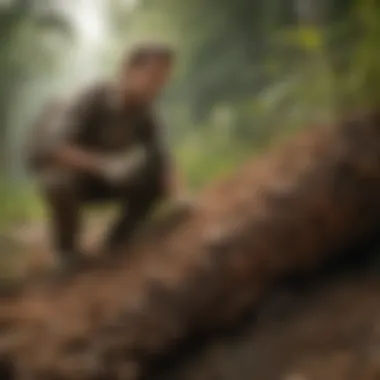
(114, 169)
(118, 169)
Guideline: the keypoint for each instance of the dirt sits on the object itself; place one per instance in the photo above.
(28, 245)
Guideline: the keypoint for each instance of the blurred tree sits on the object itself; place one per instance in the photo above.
(24, 52)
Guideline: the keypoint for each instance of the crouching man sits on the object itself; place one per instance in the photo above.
(102, 145)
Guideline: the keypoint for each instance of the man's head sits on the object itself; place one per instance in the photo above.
(146, 70)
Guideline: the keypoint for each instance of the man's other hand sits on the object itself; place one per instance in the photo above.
(177, 193)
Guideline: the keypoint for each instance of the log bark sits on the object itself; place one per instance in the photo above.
(284, 214)
(324, 330)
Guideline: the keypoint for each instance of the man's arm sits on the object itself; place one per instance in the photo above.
(71, 157)
(52, 142)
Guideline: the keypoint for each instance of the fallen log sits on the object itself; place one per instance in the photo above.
(324, 329)
(285, 213)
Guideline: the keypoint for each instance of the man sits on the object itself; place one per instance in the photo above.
(105, 145)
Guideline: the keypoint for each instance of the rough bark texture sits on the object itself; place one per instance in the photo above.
(328, 332)
(283, 214)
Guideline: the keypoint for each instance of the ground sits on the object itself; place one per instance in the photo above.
(27, 244)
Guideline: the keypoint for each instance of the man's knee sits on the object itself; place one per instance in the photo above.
(60, 193)
(55, 181)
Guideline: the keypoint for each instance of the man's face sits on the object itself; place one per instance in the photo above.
(147, 81)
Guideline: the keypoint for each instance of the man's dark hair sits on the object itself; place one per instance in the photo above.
(147, 53)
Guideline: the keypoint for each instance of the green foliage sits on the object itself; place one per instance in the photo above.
(204, 159)
(307, 37)
(19, 204)
(361, 79)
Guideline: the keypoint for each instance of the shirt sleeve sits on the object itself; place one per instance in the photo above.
(59, 122)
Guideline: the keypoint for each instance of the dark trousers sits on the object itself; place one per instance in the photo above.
(65, 204)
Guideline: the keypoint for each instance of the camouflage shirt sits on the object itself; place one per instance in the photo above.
(97, 120)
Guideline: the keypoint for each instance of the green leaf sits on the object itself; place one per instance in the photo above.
(306, 37)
